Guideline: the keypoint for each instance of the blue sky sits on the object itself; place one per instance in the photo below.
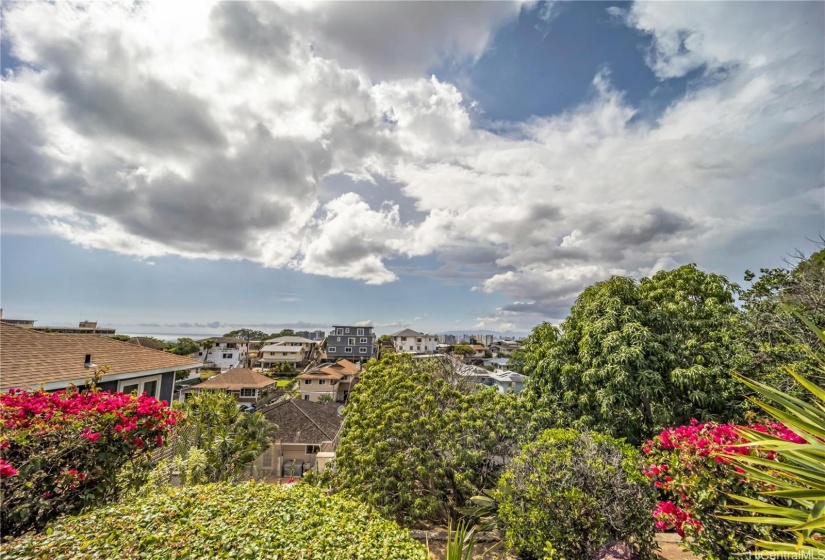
(444, 166)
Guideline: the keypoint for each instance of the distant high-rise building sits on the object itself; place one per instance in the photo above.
(311, 335)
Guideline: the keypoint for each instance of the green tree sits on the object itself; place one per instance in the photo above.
(230, 438)
(284, 332)
(121, 337)
(775, 304)
(418, 443)
(247, 334)
(463, 350)
(633, 357)
(384, 338)
(184, 347)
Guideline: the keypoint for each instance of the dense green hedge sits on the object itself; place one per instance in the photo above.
(251, 520)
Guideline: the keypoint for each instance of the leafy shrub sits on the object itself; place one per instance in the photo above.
(251, 520)
(62, 451)
(569, 493)
(695, 481)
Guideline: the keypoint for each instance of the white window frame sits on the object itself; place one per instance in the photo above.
(339, 331)
(363, 350)
(331, 349)
(359, 332)
(351, 341)
(247, 392)
(322, 382)
(307, 381)
(363, 341)
(347, 350)
(346, 330)
(141, 383)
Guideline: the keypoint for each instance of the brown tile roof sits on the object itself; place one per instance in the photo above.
(301, 421)
(321, 373)
(341, 368)
(30, 358)
(235, 379)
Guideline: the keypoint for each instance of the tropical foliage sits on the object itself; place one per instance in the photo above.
(61, 452)
(799, 477)
(633, 358)
(245, 521)
(418, 443)
(569, 493)
(227, 438)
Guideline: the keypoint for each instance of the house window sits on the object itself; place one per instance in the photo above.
(331, 349)
(148, 385)
(248, 392)
(267, 462)
(347, 350)
(346, 331)
(306, 397)
(313, 449)
(229, 355)
(322, 382)
(339, 331)
(307, 381)
(363, 350)
(350, 341)
(363, 341)
(359, 332)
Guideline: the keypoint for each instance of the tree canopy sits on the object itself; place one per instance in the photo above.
(773, 304)
(247, 334)
(418, 442)
(184, 347)
(634, 357)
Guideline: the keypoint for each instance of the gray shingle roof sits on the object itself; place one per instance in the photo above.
(301, 421)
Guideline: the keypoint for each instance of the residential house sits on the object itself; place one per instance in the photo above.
(355, 343)
(498, 364)
(307, 431)
(505, 347)
(32, 359)
(479, 351)
(414, 342)
(224, 353)
(292, 349)
(505, 381)
(247, 385)
(333, 380)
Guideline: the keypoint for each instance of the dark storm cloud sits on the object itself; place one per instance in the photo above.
(104, 99)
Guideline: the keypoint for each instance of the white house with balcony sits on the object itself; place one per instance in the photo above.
(290, 349)
(414, 342)
(225, 353)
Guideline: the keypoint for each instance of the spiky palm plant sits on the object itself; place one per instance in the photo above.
(799, 476)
